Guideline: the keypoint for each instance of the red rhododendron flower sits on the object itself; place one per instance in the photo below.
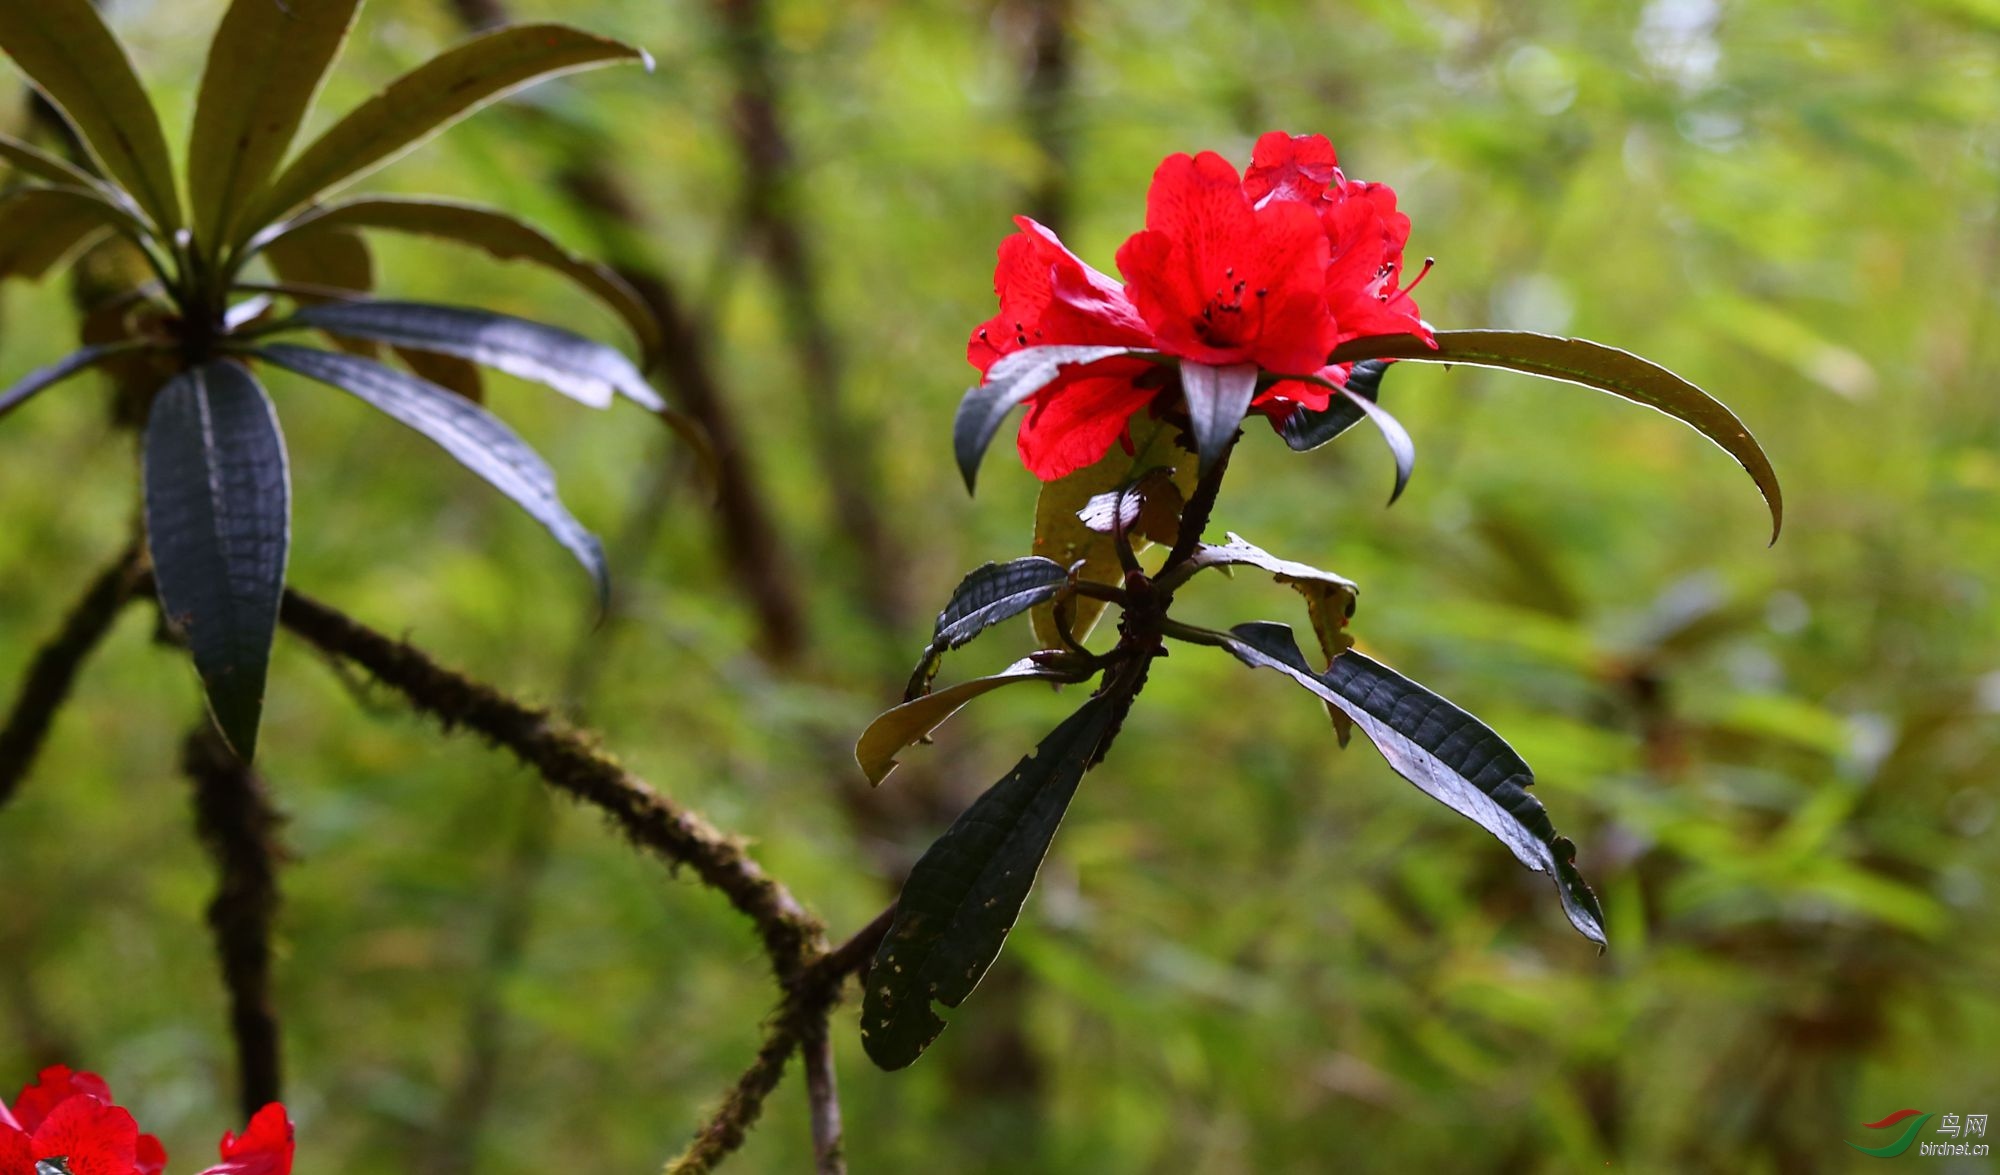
(71, 1116)
(1275, 268)
(264, 1148)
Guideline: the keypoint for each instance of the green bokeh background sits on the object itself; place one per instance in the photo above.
(1251, 951)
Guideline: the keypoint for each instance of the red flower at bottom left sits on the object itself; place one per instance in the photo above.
(68, 1121)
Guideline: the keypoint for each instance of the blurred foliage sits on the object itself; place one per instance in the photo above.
(1250, 951)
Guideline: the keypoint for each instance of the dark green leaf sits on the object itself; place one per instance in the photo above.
(218, 518)
(984, 598)
(264, 66)
(42, 379)
(914, 720)
(966, 892)
(429, 99)
(586, 371)
(465, 430)
(42, 227)
(1217, 398)
(499, 234)
(1305, 429)
(1449, 754)
(1590, 365)
(1009, 382)
(68, 53)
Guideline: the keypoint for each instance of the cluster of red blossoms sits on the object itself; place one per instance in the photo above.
(1275, 268)
(67, 1121)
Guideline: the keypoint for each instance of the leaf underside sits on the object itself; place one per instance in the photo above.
(910, 723)
(965, 894)
(1012, 380)
(586, 371)
(1305, 429)
(1450, 755)
(473, 436)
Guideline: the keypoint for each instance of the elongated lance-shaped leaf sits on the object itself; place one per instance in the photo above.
(586, 371)
(44, 378)
(1305, 429)
(914, 720)
(1011, 380)
(989, 594)
(218, 519)
(429, 99)
(265, 65)
(42, 227)
(1401, 447)
(1452, 756)
(339, 262)
(68, 53)
(1217, 398)
(44, 166)
(473, 436)
(967, 890)
(1590, 365)
(499, 234)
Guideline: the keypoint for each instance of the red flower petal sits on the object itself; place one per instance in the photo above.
(56, 1085)
(1290, 167)
(1072, 426)
(264, 1148)
(1049, 296)
(152, 1157)
(1220, 282)
(96, 1138)
(17, 1152)
(1367, 235)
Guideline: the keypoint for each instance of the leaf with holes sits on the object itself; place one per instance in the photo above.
(1590, 365)
(913, 721)
(1063, 536)
(218, 520)
(466, 431)
(1450, 755)
(985, 597)
(966, 892)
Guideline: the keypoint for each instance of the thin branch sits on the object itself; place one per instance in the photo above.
(53, 672)
(569, 762)
(823, 1096)
(239, 827)
(808, 1004)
